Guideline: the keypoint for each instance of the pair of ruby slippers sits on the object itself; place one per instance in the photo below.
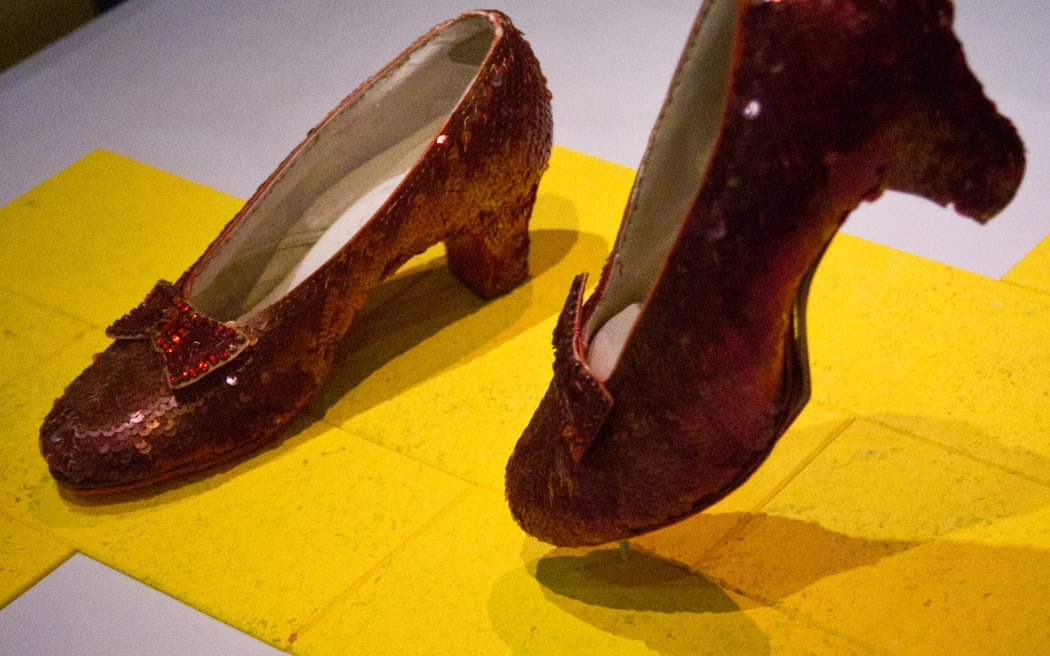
(674, 381)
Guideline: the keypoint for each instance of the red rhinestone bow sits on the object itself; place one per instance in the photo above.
(193, 345)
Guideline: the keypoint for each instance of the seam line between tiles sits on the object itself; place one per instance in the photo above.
(432, 465)
(380, 565)
(825, 443)
(873, 420)
(89, 324)
(697, 564)
(801, 617)
(1023, 285)
(38, 575)
(962, 453)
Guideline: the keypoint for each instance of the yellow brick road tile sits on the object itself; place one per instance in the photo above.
(27, 554)
(901, 544)
(26, 399)
(31, 334)
(934, 351)
(268, 543)
(95, 238)
(1034, 269)
(474, 584)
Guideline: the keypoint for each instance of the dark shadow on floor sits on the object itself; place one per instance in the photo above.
(638, 598)
(953, 593)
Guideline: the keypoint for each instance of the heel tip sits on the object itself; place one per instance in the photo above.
(486, 282)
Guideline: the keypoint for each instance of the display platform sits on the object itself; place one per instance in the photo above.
(906, 511)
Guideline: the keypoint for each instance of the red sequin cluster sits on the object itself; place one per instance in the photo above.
(193, 344)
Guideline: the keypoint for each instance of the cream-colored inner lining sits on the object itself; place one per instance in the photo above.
(676, 160)
(336, 216)
(346, 171)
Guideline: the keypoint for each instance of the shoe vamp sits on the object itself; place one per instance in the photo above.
(124, 390)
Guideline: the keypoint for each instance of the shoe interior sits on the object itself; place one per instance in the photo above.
(674, 165)
(342, 175)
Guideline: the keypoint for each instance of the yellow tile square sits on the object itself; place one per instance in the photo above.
(27, 554)
(934, 351)
(26, 399)
(450, 382)
(268, 543)
(901, 544)
(472, 584)
(1034, 269)
(31, 334)
(93, 240)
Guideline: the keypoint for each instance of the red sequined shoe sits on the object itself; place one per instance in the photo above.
(447, 143)
(673, 382)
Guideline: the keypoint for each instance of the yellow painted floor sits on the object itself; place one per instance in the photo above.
(907, 511)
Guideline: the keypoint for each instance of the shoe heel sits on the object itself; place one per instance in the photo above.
(491, 256)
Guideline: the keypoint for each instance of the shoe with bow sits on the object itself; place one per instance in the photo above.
(446, 144)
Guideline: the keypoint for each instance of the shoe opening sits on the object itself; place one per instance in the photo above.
(345, 171)
(674, 165)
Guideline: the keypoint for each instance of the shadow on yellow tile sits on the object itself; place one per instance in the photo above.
(773, 557)
(919, 596)
(904, 596)
(430, 370)
(637, 603)
(895, 540)
(642, 598)
(688, 540)
(1005, 452)
(424, 301)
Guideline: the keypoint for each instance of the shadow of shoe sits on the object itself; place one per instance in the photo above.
(633, 601)
(424, 301)
(920, 595)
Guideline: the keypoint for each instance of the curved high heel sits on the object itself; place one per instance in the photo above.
(446, 143)
(673, 382)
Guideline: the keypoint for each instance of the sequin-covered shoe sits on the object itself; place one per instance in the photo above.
(673, 382)
(446, 143)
